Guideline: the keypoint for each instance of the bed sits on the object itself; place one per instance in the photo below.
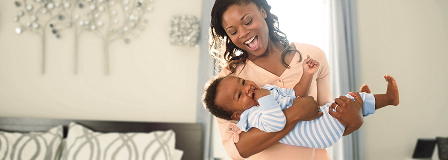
(188, 136)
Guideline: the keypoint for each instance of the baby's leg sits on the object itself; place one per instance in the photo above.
(391, 97)
(365, 88)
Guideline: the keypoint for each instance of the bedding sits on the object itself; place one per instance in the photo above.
(32, 145)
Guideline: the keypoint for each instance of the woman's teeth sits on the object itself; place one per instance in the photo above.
(250, 40)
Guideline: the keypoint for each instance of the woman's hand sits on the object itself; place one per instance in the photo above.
(303, 109)
(348, 112)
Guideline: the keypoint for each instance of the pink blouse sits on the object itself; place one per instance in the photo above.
(319, 89)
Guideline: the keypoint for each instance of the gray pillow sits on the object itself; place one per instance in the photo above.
(84, 144)
(33, 145)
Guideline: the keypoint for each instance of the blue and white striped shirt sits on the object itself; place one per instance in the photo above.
(322, 132)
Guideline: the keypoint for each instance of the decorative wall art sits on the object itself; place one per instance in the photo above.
(109, 20)
(184, 30)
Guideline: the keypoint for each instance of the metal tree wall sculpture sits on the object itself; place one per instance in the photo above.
(113, 20)
(68, 22)
(35, 16)
(109, 20)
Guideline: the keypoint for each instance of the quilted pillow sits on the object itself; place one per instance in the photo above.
(33, 145)
(85, 144)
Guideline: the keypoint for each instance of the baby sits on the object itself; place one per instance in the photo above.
(234, 98)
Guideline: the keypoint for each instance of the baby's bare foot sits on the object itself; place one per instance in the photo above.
(365, 88)
(392, 90)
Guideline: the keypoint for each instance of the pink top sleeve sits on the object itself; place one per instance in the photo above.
(229, 135)
(320, 89)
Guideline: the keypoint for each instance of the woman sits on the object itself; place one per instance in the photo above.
(268, 58)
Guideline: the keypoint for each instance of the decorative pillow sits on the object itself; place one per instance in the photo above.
(85, 144)
(33, 145)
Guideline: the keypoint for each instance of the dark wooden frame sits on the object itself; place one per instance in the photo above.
(189, 136)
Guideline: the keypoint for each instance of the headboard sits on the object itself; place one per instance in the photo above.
(189, 136)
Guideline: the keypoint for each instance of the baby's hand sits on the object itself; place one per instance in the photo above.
(310, 65)
(261, 93)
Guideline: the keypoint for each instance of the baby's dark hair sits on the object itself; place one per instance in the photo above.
(209, 100)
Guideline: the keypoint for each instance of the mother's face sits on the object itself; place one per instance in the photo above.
(246, 26)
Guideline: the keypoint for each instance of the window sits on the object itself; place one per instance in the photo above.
(304, 21)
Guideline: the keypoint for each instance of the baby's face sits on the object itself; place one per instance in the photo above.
(236, 94)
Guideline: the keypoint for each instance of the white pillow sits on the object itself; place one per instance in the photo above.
(33, 145)
(85, 144)
(177, 155)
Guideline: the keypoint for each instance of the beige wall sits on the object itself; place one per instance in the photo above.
(409, 40)
(150, 80)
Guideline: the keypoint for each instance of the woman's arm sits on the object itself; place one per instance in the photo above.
(255, 140)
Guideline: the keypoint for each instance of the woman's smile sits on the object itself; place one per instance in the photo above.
(253, 43)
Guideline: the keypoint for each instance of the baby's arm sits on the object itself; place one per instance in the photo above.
(272, 118)
(310, 66)
(268, 116)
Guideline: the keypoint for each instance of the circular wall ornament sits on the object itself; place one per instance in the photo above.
(35, 25)
(33, 18)
(19, 30)
(50, 5)
(61, 17)
(29, 7)
(20, 13)
(92, 7)
(184, 30)
(67, 5)
(18, 4)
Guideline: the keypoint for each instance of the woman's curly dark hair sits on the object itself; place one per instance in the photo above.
(231, 59)
(209, 100)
